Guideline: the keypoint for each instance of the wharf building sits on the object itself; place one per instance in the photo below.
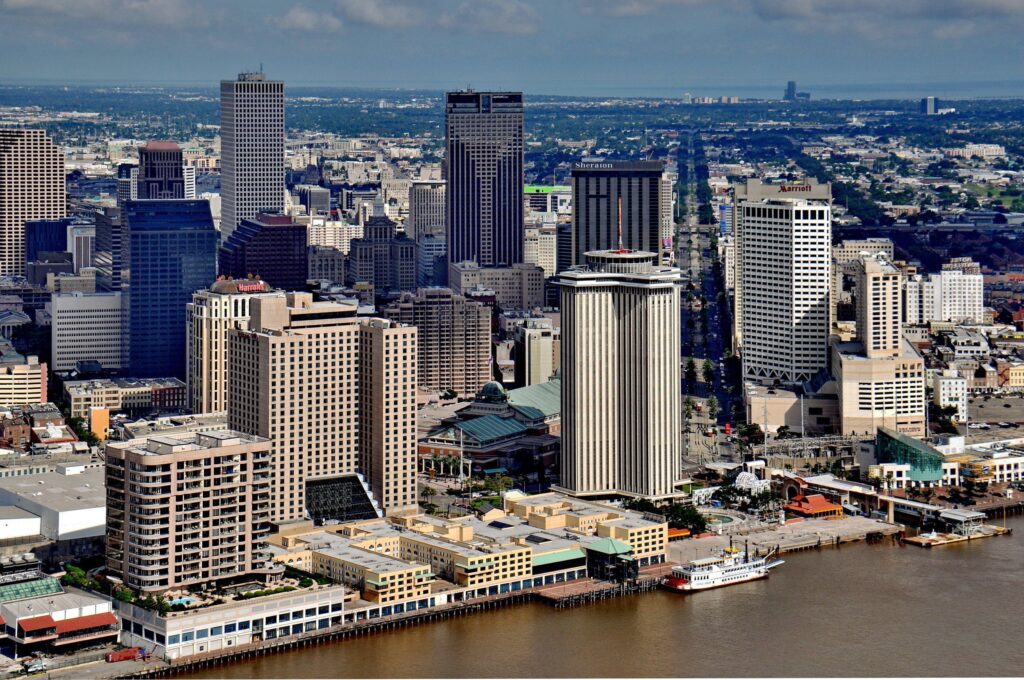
(620, 346)
(454, 339)
(784, 245)
(32, 187)
(336, 394)
(484, 171)
(599, 189)
(166, 530)
(270, 247)
(171, 252)
(210, 317)
(755, 191)
(251, 148)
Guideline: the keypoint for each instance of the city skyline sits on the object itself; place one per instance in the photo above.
(754, 43)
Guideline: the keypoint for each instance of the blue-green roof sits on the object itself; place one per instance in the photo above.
(609, 546)
(33, 588)
(557, 556)
(542, 400)
(483, 430)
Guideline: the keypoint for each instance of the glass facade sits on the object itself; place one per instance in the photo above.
(894, 447)
(171, 252)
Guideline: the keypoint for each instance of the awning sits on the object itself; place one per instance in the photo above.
(86, 622)
(37, 623)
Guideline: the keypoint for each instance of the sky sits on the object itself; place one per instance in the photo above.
(539, 46)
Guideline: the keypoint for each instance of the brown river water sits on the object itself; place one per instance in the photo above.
(858, 610)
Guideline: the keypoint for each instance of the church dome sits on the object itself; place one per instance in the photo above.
(492, 392)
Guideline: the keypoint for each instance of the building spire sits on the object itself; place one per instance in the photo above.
(622, 249)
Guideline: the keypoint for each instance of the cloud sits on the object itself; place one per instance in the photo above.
(155, 13)
(492, 16)
(304, 20)
(381, 13)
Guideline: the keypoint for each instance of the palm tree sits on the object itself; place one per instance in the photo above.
(713, 408)
(709, 371)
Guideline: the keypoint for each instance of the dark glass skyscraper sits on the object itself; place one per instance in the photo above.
(160, 171)
(484, 169)
(43, 236)
(272, 247)
(170, 252)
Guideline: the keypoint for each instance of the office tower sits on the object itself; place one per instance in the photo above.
(563, 246)
(170, 251)
(382, 257)
(454, 337)
(23, 379)
(42, 236)
(160, 172)
(755, 190)
(668, 208)
(956, 294)
(844, 255)
(540, 247)
(336, 395)
(213, 538)
(31, 188)
(878, 294)
(519, 287)
(621, 410)
(333, 233)
(326, 264)
(786, 275)
(426, 209)
(599, 190)
(929, 106)
(316, 200)
(431, 260)
(108, 256)
(790, 91)
(272, 247)
(251, 148)
(188, 176)
(127, 183)
(210, 316)
(86, 327)
(484, 170)
(537, 351)
(81, 240)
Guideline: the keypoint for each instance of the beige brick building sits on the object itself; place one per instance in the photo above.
(520, 286)
(334, 393)
(31, 188)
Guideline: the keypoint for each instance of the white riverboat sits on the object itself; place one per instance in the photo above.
(730, 567)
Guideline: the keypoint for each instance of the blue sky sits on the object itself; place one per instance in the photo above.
(542, 46)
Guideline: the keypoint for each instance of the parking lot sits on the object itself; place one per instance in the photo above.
(1008, 410)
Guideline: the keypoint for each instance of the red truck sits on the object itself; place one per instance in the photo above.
(130, 654)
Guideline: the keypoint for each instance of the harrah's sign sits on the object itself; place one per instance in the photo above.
(789, 188)
(250, 287)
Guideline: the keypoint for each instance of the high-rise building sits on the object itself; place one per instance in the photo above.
(929, 106)
(484, 171)
(786, 276)
(326, 264)
(540, 247)
(32, 187)
(537, 351)
(755, 190)
(127, 183)
(272, 247)
(315, 199)
(426, 209)
(251, 148)
(790, 91)
(454, 337)
(108, 256)
(46, 236)
(210, 316)
(23, 379)
(621, 409)
(170, 252)
(844, 256)
(600, 189)
(188, 176)
(956, 294)
(213, 538)
(519, 287)
(431, 261)
(333, 233)
(382, 257)
(336, 395)
(878, 295)
(82, 244)
(86, 327)
(160, 172)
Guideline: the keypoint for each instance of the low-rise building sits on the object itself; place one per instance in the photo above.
(949, 390)
(134, 396)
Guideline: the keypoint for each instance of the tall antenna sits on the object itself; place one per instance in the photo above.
(621, 247)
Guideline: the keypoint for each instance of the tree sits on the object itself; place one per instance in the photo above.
(686, 517)
(713, 407)
(691, 372)
(426, 493)
(709, 371)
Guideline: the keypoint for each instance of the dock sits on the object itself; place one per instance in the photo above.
(937, 539)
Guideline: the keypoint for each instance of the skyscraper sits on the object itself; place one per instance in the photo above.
(484, 171)
(879, 290)
(32, 187)
(598, 187)
(790, 91)
(929, 106)
(621, 411)
(786, 276)
(382, 257)
(160, 171)
(755, 190)
(272, 247)
(211, 315)
(426, 209)
(336, 395)
(127, 183)
(454, 336)
(170, 251)
(251, 148)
